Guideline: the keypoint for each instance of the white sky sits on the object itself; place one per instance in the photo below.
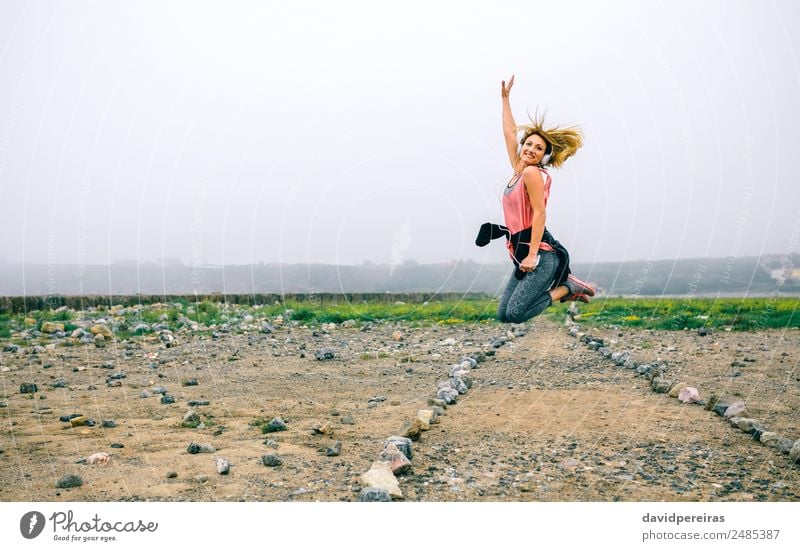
(233, 132)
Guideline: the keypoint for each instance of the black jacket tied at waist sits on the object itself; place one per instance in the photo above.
(521, 245)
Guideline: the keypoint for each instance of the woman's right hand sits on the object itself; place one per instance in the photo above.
(529, 263)
(506, 89)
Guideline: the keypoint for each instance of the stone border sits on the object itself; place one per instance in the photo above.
(656, 374)
(379, 482)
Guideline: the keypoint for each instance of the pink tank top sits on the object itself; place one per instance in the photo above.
(517, 209)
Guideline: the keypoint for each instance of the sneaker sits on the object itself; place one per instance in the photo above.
(578, 290)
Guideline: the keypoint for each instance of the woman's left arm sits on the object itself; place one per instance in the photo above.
(534, 186)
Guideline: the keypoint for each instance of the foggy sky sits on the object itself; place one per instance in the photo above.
(237, 132)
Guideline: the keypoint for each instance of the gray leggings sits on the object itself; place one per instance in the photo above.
(523, 299)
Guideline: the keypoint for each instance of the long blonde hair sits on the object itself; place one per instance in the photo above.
(564, 141)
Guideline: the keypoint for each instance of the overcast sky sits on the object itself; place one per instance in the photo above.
(311, 132)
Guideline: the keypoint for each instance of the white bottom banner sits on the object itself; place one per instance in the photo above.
(384, 526)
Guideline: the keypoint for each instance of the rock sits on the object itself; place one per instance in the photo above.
(459, 385)
(81, 421)
(100, 458)
(412, 429)
(321, 428)
(785, 444)
(450, 341)
(736, 409)
(448, 394)
(703, 331)
(277, 424)
(437, 402)
(271, 460)
(402, 443)
(223, 466)
(117, 446)
(605, 352)
(144, 394)
(193, 403)
(676, 390)
(69, 481)
(333, 451)
(267, 328)
(426, 417)
(720, 409)
(103, 330)
(794, 453)
(349, 324)
(189, 382)
(200, 448)
(473, 363)
(159, 390)
(323, 354)
(12, 348)
(108, 424)
(52, 327)
(172, 474)
(28, 388)
(689, 395)
(347, 420)
(630, 364)
(190, 419)
(201, 478)
(380, 476)
(749, 426)
(397, 461)
(397, 336)
(712, 401)
(167, 399)
(373, 494)
(660, 385)
(619, 358)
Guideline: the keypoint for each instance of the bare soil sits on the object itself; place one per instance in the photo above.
(546, 420)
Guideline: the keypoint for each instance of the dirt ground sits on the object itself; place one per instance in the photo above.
(547, 419)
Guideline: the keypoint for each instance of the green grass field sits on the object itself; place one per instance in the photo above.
(740, 314)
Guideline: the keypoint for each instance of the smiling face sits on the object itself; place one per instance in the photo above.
(533, 149)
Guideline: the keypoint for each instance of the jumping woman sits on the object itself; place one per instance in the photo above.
(541, 264)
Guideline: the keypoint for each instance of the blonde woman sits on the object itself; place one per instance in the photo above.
(541, 264)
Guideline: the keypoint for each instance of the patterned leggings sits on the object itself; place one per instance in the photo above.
(529, 297)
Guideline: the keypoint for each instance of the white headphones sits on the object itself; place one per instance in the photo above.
(548, 151)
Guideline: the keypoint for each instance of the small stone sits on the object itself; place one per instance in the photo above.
(749, 426)
(397, 336)
(720, 408)
(333, 451)
(373, 495)
(277, 424)
(712, 401)
(661, 385)
(398, 462)
(321, 428)
(271, 460)
(794, 453)
(426, 417)
(117, 446)
(347, 420)
(459, 384)
(159, 390)
(79, 421)
(689, 395)
(194, 403)
(69, 481)
(402, 443)
(101, 330)
(108, 424)
(736, 409)
(200, 448)
(189, 382)
(52, 327)
(267, 328)
(172, 474)
(201, 478)
(28, 388)
(447, 394)
(167, 399)
(412, 429)
(324, 354)
(380, 476)
(676, 390)
(144, 394)
(785, 444)
(223, 466)
(703, 331)
(190, 419)
(437, 402)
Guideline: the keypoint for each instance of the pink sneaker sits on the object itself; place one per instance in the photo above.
(578, 290)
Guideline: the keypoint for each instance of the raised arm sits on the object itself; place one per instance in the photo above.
(509, 126)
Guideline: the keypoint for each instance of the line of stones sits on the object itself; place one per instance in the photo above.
(656, 374)
(379, 483)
